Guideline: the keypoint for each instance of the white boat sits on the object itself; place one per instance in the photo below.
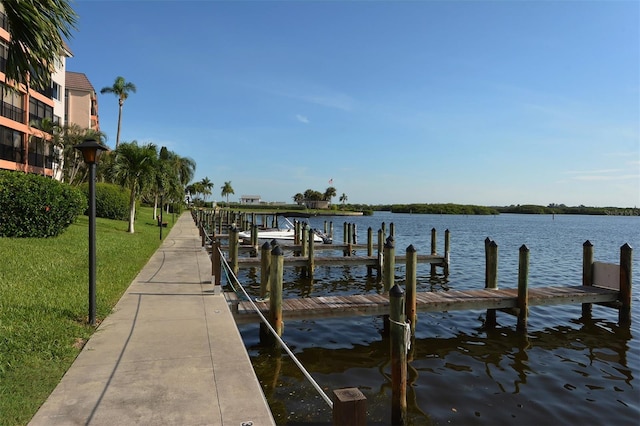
(286, 235)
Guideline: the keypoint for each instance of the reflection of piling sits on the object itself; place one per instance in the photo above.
(398, 356)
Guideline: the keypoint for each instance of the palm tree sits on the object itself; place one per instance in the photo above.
(207, 186)
(74, 169)
(134, 168)
(329, 193)
(121, 89)
(36, 29)
(343, 198)
(227, 190)
(298, 198)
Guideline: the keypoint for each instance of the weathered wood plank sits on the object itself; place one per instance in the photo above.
(372, 304)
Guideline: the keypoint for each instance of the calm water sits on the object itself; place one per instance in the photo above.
(565, 370)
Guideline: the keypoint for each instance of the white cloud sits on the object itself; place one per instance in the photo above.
(302, 119)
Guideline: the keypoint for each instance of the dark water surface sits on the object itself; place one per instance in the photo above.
(564, 370)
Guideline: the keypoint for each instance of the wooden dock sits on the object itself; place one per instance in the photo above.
(452, 300)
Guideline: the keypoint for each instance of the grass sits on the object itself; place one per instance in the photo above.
(44, 302)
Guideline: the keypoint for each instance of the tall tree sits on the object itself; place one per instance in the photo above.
(207, 186)
(329, 193)
(227, 190)
(121, 89)
(134, 168)
(36, 28)
(343, 198)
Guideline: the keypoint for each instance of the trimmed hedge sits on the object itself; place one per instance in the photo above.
(112, 201)
(36, 206)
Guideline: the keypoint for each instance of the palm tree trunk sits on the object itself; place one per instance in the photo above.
(132, 209)
(119, 120)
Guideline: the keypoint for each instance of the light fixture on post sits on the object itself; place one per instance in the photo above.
(91, 150)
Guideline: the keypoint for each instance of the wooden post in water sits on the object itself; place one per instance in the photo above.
(349, 407)
(369, 249)
(275, 292)
(380, 251)
(304, 241)
(389, 264)
(398, 356)
(233, 249)
(354, 233)
(434, 251)
(492, 278)
(624, 313)
(265, 269)
(345, 238)
(310, 254)
(216, 269)
(447, 251)
(392, 230)
(254, 235)
(523, 292)
(587, 274)
(411, 284)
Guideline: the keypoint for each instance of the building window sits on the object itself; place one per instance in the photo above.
(55, 91)
(11, 145)
(38, 111)
(4, 54)
(12, 106)
(36, 152)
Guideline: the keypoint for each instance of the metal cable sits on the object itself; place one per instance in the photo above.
(275, 334)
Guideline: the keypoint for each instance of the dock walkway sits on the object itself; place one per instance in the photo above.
(378, 304)
(169, 354)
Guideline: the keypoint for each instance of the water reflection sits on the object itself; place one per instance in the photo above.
(465, 377)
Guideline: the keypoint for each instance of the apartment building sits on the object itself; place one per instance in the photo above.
(81, 101)
(23, 146)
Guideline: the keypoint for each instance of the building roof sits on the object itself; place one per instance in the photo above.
(78, 81)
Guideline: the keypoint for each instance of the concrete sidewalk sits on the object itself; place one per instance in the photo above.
(169, 354)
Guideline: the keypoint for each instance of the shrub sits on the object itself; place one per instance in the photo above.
(36, 206)
(112, 201)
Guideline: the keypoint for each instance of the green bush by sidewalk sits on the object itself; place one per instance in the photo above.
(44, 302)
(36, 206)
(112, 201)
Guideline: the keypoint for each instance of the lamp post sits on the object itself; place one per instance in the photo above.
(91, 150)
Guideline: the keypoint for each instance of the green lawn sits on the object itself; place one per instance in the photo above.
(44, 302)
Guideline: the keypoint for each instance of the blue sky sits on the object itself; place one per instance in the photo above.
(470, 102)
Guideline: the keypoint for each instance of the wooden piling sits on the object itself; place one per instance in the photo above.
(523, 292)
(369, 248)
(587, 274)
(265, 269)
(492, 278)
(398, 356)
(233, 249)
(447, 251)
(310, 254)
(349, 407)
(434, 251)
(275, 291)
(624, 313)
(411, 286)
(389, 264)
(216, 266)
(380, 251)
